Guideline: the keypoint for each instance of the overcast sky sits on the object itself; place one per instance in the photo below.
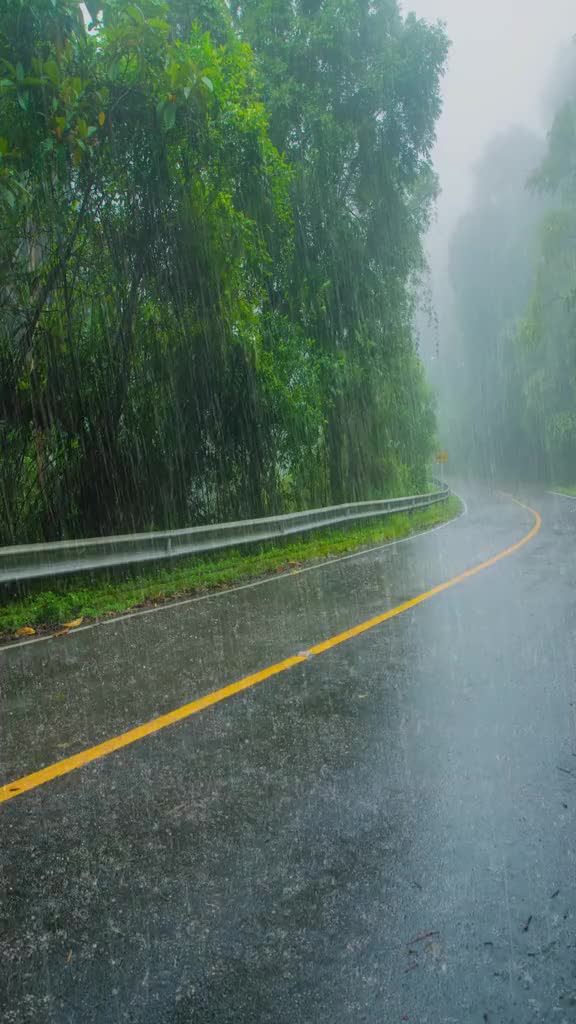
(503, 54)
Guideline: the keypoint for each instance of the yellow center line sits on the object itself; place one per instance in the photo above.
(70, 764)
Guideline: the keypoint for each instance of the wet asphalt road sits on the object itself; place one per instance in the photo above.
(386, 833)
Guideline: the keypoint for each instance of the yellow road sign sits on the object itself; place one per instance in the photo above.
(442, 458)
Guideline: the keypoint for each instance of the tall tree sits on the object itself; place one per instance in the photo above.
(547, 333)
(139, 187)
(514, 276)
(207, 258)
(353, 93)
(492, 269)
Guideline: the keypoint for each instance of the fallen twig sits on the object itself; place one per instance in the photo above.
(426, 935)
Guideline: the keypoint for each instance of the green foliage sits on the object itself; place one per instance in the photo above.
(514, 268)
(569, 490)
(209, 239)
(492, 270)
(353, 92)
(547, 336)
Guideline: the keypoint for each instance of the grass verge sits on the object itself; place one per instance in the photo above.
(75, 598)
(570, 491)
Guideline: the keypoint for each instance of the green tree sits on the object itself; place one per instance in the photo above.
(140, 189)
(208, 258)
(353, 94)
(492, 261)
(547, 333)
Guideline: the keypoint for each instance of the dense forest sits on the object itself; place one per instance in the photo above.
(211, 235)
(510, 389)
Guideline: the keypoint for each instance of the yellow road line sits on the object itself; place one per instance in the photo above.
(70, 764)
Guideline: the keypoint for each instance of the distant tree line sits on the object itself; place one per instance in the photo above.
(211, 217)
(512, 380)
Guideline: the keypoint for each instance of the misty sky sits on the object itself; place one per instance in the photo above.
(503, 54)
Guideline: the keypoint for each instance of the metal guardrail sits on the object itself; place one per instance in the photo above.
(68, 557)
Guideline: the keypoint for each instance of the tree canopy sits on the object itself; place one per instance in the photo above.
(492, 257)
(210, 240)
(514, 277)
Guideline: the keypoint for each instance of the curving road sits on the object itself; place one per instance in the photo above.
(382, 832)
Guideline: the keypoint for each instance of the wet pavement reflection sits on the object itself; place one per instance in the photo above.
(386, 833)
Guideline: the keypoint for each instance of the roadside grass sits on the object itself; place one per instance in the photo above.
(570, 491)
(74, 598)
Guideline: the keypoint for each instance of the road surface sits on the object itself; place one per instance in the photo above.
(382, 832)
